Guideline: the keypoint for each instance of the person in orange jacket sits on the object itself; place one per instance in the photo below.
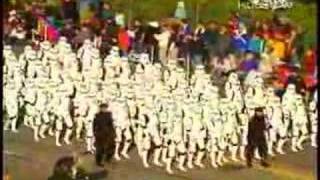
(123, 41)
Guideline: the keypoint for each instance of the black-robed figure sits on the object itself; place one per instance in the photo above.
(257, 138)
(104, 135)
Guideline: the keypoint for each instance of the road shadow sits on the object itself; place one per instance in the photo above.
(233, 167)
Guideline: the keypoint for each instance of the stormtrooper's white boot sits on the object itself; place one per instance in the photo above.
(164, 154)
(190, 160)
(79, 129)
(67, 136)
(7, 125)
(43, 129)
(280, 146)
(181, 161)
(57, 134)
(270, 148)
(125, 149)
(294, 144)
(145, 158)
(314, 140)
(156, 157)
(242, 152)
(116, 152)
(233, 150)
(51, 131)
(168, 166)
(36, 133)
(220, 158)
(26, 121)
(199, 159)
(257, 154)
(89, 142)
(14, 124)
(300, 142)
(213, 159)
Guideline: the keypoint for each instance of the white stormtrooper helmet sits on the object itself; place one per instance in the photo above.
(199, 69)
(45, 45)
(62, 39)
(291, 88)
(27, 48)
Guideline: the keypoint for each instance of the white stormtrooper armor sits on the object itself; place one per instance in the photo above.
(92, 111)
(81, 106)
(65, 90)
(313, 116)
(42, 116)
(33, 64)
(299, 124)
(122, 127)
(12, 105)
(276, 124)
(213, 123)
(197, 134)
(288, 104)
(30, 98)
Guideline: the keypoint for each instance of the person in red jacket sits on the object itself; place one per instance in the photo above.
(123, 41)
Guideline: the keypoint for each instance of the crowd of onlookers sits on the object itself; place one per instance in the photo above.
(273, 46)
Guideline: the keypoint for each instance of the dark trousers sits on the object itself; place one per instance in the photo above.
(103, 154)
(262, 149)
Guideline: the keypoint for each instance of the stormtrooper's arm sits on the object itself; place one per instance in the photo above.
(80, 52)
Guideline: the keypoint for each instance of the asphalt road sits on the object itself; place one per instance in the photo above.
(25, 159)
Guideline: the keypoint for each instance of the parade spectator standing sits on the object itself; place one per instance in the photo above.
(197, 51)
(106, 11)
(256, 138)
(249, 63)
(124, 41)
(210, 38)
(69, 10)
(224, 42)
(163, 41)
(104, 134)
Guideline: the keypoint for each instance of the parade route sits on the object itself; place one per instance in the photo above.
(25, 159)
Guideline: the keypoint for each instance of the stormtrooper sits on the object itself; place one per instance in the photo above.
(197, 134)
(42, 116)
(152, 127)
(30, 98)
(175, 143)
(213, 122)
(81, 106)
(230, 134)
(11, 93)
(299, 124)
(313, 115)
(288, 108)
(92, 111)
(122, 128)
(275, 121)
(65, 90)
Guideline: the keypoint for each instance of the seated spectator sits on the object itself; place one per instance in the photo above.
(278, 45)
(256, 44)
(309, 61)
(249, 63)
